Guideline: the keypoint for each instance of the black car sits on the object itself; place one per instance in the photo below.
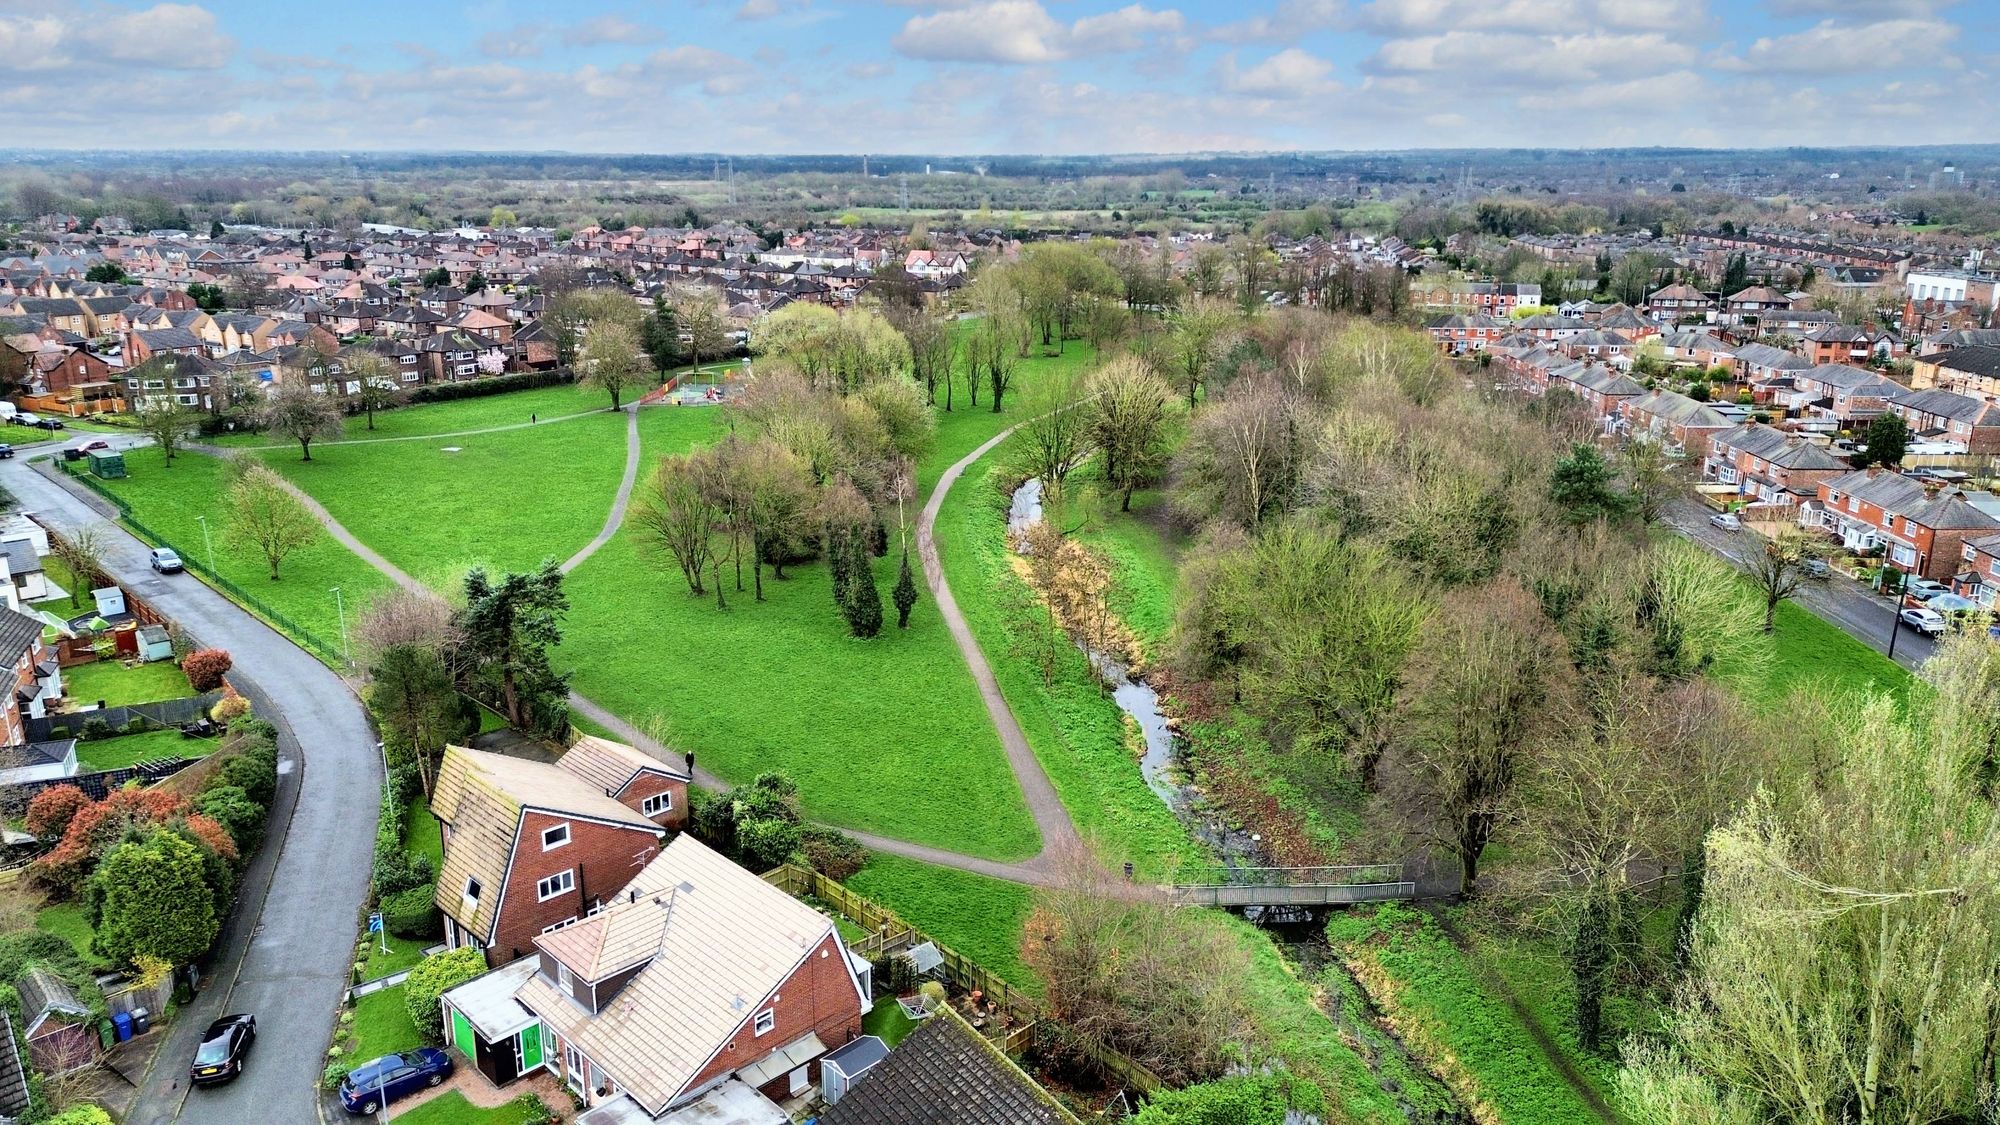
(223, 1047)
(6, 450)
(50, 423)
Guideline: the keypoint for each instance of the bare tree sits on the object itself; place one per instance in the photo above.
(266, 517)
(297, 413)
(375, 386)
(403, 617)
(1052, 442)
(613, 361)
(162, 418)
(82, 555)
(675, 514)
(1781, 566)
(702, 320)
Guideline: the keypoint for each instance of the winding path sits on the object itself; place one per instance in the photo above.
(1052, 820)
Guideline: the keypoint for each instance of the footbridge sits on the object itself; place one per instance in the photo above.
(1282, 887)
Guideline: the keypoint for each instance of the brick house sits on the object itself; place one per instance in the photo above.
(1601, 387)
(1837, 392)
(1460, 334)
(1747, 306)
(1941, 416)
(1844, 343)
(1678, 302)
(1769, 466)
(32, 669)
(1921, 530)
(532, 846)
(699, 988)
(1672, 417)
(1970, 370)
(1979, 574)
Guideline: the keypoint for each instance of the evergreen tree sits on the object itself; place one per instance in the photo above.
(906, 591)
(661, 336)
(863, 607)
(215, 229)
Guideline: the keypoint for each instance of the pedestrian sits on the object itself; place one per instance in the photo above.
(532, 419)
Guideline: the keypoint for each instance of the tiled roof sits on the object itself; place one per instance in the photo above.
(1980, 360)
(1945, 404)
(13, 1076)
(946, 1073)
(610, 766)
(18, 634)
(1779, 448)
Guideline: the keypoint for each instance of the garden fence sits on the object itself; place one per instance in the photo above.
(165, 712)
(961, 970)
(153, 998)
(14, 798)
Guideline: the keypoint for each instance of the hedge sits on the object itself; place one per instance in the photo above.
(493, 385)
(413, 913)
(433, 977)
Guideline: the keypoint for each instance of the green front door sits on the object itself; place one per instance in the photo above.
(531, 1047)
(461, 1034)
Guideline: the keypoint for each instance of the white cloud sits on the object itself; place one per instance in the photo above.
(1291, 73)
(164, 36)
(1830, 46)
(1864, 10)
(1022, 31)
(1541, 59)
(610, 29)
(1284, 24)
(523, 42)
(1431, 17)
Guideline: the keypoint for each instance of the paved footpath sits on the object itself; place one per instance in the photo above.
(285, 952)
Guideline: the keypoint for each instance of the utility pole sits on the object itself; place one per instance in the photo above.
(206, 542)
(340, 607)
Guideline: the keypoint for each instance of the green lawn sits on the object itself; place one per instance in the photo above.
(131, 749)
(509, 409)
(1144, 555)
(166, 501)
(404, 953)
(961, 429)
(422, 835)
(117, 684)
(382, 1025)
(1806, 649)
(975, 915)
(66, 920)
(1077, 731)
(451, 1108)
(887, 1022)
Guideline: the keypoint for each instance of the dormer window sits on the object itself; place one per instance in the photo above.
(657, 803)
(555, 837)
(471, 893)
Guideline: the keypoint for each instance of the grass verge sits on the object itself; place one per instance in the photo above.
(116, 684)
(975, 915)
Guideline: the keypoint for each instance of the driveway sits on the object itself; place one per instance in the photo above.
(1840, 599)
(285, 953)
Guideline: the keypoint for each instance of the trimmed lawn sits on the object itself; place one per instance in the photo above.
(451, 1108)
(1077, 731)
(512, 408)
(404, 953)
(887, 1022)
(382, 1025)
(975, 915)
(131, 749)
(66, 920)
(166, 501)
(422, 834)
(116, 684)
(1807, 649)
(962, 429)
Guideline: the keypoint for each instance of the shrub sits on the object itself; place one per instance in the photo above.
(437, 974)
(230, 707)
(94, 729)
(1240, 1099)
(80, 1115)
(833, 854)
(52, 809)
(253, 769)
(205, 668)
(896, 973)
(330, 1078)
(153, 898)
(412, 913)
(231, 807)
(398, 871)
(498, 384)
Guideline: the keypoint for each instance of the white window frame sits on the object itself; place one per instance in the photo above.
(657, 804)
(563, 977)
(764, 1023)
(472, 892)
(552, 928)
(563, 842)
(560, 883)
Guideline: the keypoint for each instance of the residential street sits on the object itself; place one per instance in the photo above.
(1839, 599)
(285, 955)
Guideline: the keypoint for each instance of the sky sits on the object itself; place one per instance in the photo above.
(995, 76)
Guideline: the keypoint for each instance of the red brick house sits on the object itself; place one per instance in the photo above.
(1672, 417)
(1678, 302)
(1460, 334)
(1941, 416)
(699, 988)
(1979, 575)
(532, 846)
(1844, 343)
(1840, 393)
(1770, 466)
(1921, 530)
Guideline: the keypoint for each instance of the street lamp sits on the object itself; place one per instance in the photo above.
(340, 608)
(207, 542)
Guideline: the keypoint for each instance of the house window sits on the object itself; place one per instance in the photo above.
(766, 1021)
(569, 921)
(562, 882)
(562, 974)
(1904, 556)
(556, 837)
(471, 893)
(657, 804)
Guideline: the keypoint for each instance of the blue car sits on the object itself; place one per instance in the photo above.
(378, 1082)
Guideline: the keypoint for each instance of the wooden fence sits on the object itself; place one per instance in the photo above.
(154, 999)
(888, 932)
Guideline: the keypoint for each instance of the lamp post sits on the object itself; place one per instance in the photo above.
(206, 542)
(340, 608)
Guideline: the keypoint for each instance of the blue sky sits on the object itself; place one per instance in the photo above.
(973, 76)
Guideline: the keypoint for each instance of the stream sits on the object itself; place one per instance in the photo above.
(1420, 1095)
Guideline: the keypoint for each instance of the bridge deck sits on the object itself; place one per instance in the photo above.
(1303, 894)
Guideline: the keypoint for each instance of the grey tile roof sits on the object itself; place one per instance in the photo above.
(1975, 360)
(1945, 404)
(18, 634)
(1779, 448)
(53, 752)
(945, 1073)
(13, 1076)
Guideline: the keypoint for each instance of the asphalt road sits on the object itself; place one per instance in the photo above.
(1839, 599)
(285, 952)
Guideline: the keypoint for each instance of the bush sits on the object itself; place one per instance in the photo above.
(498, 384)
(397, 871)
(52, 809)
(80, 1115)
(230, 707)
(205, 668)
(94, 729)
(330, 1078)
(1240, 1099)
(231, 807)
(253, 769)
(833, 854)
(436, 975)
(412, 913)
(896, 973)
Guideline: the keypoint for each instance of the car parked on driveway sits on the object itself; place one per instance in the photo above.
(1929, 622)
(49, 423)
(223, 1048)
(165, 560)
(1727, 521)
(25, 418)
(1923, 589)
(1816, 568)
(378, 1082)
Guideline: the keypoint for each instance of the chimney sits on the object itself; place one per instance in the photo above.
(1874, 471)
(1931, 488)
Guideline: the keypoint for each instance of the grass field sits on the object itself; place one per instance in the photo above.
(508, 409)
(382, 1025)
(1144, 555)
(422, 834)
(131, 749)
(451, 1108)
(167, 501)
(117, 684)
(1808, 650)
(403, 953)
(975, 915)
(1077, 731)
(66, 920)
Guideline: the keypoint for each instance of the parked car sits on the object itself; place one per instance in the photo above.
(92, 446)
(1727, 521)
(1923, 589)
(1929, 622)
(1816, 568)
(223, 1047)
(378, 1082)
(166, 560)
(6, 451)
(25, 418)
(48, 423)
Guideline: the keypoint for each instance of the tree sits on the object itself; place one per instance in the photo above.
(502, 217)
(1653, 477)
(413, 698)
(777, 506)
(298, 414)
(1051, 443)
(928, 341)
(162, 418)
(1633, 276)
(109, 273)
(613, 361)
(847, 524)
(205, 668)
(661, 337)
(1887, 441)
(990, 357)
(247, 288)
(905, 594)
(1689, 610)
(402, 616)
(81, 553)
(676, 514)
(1195, 335)
(475, 282)
(1127, 416)
(215, 229)
(1471, 707)
(51, 810)
(704, 322)
(1780, 567)
(150, 898)
(265, 516)
(433, 977)
(510, 626)
(375, 386)
(1581, 485)
(1242, 457)
(435, 278)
